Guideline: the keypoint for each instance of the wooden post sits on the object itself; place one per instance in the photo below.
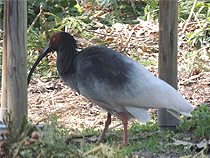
(3, 108)
(168, 22)
(17, 59)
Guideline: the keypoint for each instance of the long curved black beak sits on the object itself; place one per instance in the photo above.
(42, 55)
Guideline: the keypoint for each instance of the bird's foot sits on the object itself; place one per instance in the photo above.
(122, 145)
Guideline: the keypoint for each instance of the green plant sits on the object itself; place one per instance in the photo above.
(197, 38)
(54, 140)
(50, 140)
(201, 10)
(1, 15)
(59, 8)
(184, 10)
(107, 3)
(198, 124)
(149, 126)
(151, 10)
(200, 36)
(125, 11)
(130, 10)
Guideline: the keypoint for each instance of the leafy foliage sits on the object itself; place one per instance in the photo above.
(1, 16)
(41, 142)
(197, 38)
(199, 123)
(59, 8)
(125, 11)
(184, 10)
(151, 10)
(107, 3)
(200, 36)
(46, 141)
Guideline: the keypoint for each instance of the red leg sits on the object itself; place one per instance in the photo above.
(125, 123)
(107, 123)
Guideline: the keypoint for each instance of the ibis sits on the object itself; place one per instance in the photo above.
(115, 82)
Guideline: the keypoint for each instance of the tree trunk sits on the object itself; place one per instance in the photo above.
(168, 22)
(17, 59)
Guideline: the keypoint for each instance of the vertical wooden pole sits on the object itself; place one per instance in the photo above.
(168, 21)
(3, 108)
(17, 59)
(4, 66)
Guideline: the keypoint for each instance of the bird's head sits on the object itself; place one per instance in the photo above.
(54, 40)
(61, 42)
(53, 43)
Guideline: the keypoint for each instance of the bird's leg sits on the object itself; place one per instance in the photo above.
(107, 123)
(125, 123)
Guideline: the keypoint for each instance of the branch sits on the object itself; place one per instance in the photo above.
(99, 33)
(188, 20)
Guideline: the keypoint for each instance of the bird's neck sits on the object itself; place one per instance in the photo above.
(65, 58)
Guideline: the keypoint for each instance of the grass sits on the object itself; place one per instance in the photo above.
(199, 123)
(54, 140)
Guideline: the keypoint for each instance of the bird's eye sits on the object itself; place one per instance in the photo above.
(53, 39)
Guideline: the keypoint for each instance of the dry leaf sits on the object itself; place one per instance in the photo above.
(89, 4)
(109, 39)
(93, 138)
(203, 144)
(180, 142)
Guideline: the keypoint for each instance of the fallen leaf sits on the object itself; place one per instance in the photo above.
(109, 39)
(203, 144)
(180, 142)
(93, 138)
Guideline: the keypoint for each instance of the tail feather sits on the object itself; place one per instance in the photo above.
(140, 113)
(175, 114)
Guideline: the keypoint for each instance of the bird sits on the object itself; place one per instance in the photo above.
(115, 82)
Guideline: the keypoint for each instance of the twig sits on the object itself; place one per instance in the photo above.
(148, 14)
(116, 126)
(98, 23)
(99, 33)
(127, 41)
(53, 103)
(196, 18)
(33, 23)
(188, 20)
(1, 42)
(200, 153)
(80, 137)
